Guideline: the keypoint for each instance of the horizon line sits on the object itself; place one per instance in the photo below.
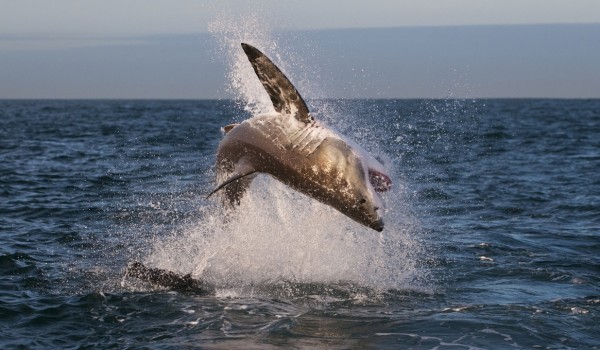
(308, 99)
(67, 36)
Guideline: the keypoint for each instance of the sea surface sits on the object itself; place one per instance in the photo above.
(492, 237)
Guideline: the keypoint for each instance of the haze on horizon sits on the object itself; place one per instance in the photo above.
(380, 48)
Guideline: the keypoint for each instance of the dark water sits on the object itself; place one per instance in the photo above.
(497, 210)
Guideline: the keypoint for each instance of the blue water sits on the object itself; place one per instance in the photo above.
(492, 238)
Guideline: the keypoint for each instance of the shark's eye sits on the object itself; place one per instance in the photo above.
(362, 201)
(380, 181)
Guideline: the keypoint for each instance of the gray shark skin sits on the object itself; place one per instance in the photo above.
(168, 279)
(299, 151)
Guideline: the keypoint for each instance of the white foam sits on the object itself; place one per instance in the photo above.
(278, 234)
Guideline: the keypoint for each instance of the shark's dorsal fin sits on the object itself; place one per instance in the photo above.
(242, 168)
(283, 94)
(227, 128)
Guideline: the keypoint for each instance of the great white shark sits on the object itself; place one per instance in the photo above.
(299, 151)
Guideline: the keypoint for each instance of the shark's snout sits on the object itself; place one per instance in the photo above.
(377, 225)
(370, 215)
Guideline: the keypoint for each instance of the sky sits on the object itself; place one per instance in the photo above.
(163, 49)
(119, 18)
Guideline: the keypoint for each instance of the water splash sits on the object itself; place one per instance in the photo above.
(258, 30)
(230, 31)
(278, 234)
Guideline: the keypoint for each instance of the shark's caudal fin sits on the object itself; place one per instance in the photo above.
(283, 94)
(164, 278)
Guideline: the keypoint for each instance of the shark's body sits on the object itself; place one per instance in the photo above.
(300, 152)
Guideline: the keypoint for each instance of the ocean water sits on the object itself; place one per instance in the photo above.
(492, 238)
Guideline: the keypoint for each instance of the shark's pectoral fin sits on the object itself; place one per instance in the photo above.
(283, 94)
(243, 168)
(233, 178)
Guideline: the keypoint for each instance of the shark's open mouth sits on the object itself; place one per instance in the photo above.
(380, 181)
